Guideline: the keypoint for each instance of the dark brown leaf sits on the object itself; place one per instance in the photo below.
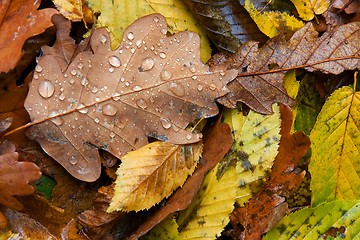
(151, 86)
(261, 71)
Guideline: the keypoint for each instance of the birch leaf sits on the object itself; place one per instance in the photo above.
(151, 173)
(335, 139)
(308, 8)
(255, 145)
(209, 212)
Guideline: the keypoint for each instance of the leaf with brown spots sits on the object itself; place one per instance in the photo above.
(262, 70)
(153, 85)
(20, 20)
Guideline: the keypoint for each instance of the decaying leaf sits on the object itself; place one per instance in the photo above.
(151, 86)
(20, 20)
(228, 25)
(117, 15)
(260, 71)
(308, 8)
(273, 23)
(151, 173)
(216, 144)
(315, 223)
(335, 139)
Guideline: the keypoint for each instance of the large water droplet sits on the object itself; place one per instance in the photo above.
(130, 36)
(114, 61)
(141, 103)
(147, 64)
(82, 109)
(46, 88)
(38, 68)
(165, 122)
(56, 120)
(94, 89)
(109, 109)
(177, 88)
(165, 75)
(137, 88)
(84, 81)
(73, 160)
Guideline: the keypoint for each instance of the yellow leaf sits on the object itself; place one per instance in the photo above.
(209, 212)
(117, 15)
(151, 173)
(166, 230)
(273, 23)
(308, 8)
(74, 10)
(335, 138)
(292, 88)
(256, 142)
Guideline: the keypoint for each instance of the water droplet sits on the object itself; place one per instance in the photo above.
(156, 19)
(71, 81)
(112, 134)
(97, 120)
(82, 109)
(97, 99)
(38, 68)
(163, 31)
(194, 77)
(56, 120)
(111, 69)
(165, 122)
(127, 84)
(132, 50)
(192, 69)
(147, 64)
(116, 96)
(73, 160)
(189, 136)
(151, 99)
(138, 43)
(130, 36)
(200, 87)
(36, 77)
(73, 72)
(84, 81)
(109, 109)
(222, 73)
(46, 88)
(165, 75)
(62, 96)
(212, 87)
(137, 88)
(177, 89)
(162, 55)
(103, 39)
(94, 89)
(80, 66)
(141, 103)
(175, 128)
(114, 61)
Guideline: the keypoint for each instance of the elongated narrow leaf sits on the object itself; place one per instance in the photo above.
(152, 173)
(209, 212)
(335, 161)
(256, 142)
(117, 15)
(341, 217)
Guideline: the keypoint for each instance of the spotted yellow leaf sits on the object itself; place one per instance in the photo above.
(308, 8)
(151, 173)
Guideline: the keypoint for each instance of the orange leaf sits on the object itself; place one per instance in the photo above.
(20, 20)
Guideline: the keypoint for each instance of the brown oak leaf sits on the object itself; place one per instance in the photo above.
(153, 85)
(261, 70)
(20, 20)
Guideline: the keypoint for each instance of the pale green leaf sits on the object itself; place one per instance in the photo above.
(166, 230)
(312, 223)
(335, 138)
(151, 173)
(117, 15)
(256, 142)
(308, 8)
(273, 23)
(209, 212)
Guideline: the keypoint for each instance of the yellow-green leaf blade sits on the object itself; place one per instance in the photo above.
(117, 15)
(312, 223)
(166, 230)
(335, 138)
(308, 8)
(151, 173)
(209, 212)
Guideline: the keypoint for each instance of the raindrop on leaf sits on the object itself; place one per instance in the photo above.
(46, 88)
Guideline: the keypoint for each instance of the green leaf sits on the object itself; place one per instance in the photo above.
(335, 162)
(314, 223)
(209, 212)
(256, 142)
(45, 186)
(117, 15)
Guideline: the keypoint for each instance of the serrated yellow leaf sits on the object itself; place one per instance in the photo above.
(117, 15)
(209, 212)
(166, 230)
(151, 173)
(335, 139)
(74, 10)
(273, 23)
(256, 142)
(308, 8)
